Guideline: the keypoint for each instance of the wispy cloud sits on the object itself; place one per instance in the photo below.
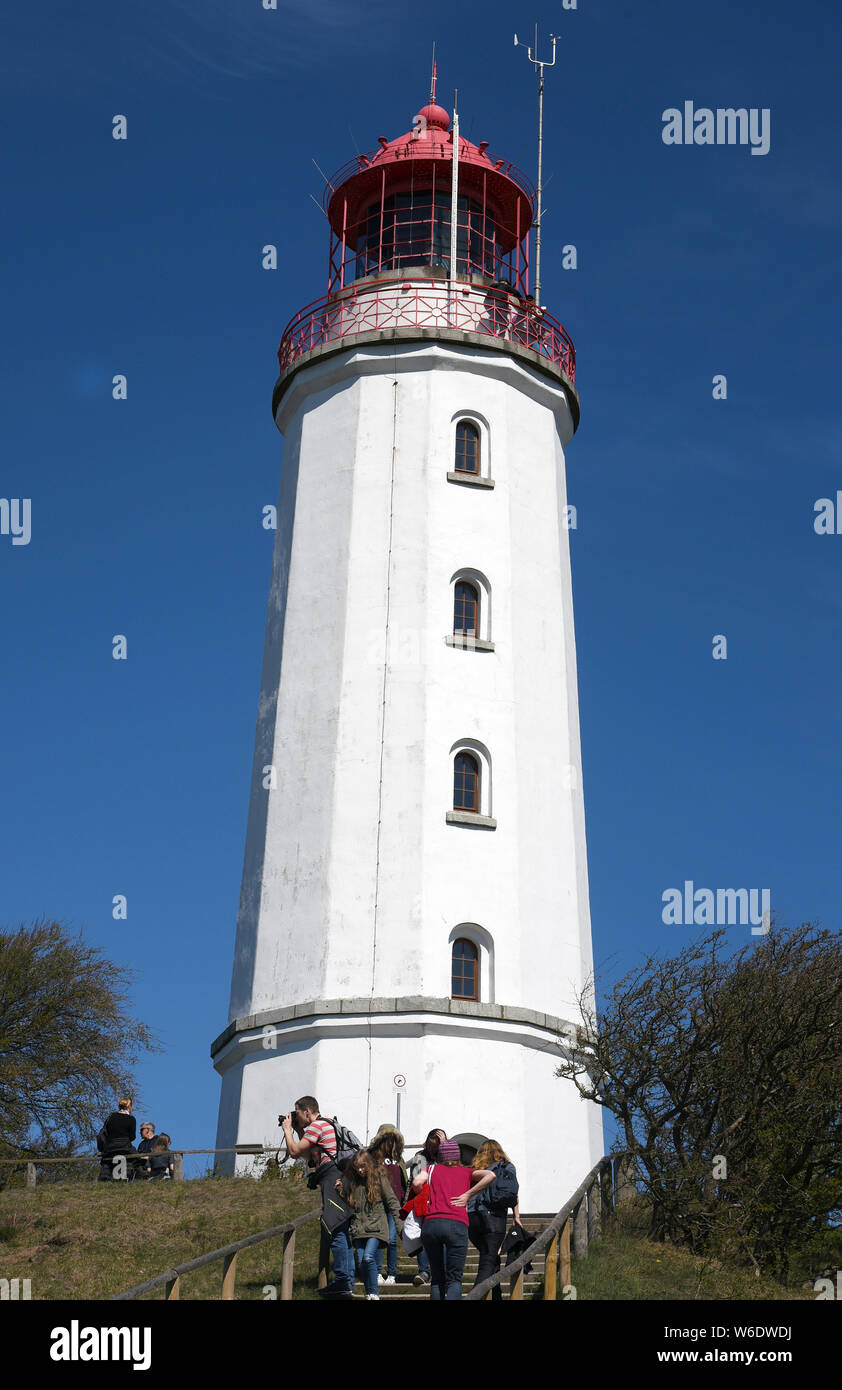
(177, 41)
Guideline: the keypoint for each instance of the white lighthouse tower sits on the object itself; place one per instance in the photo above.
(414, 923)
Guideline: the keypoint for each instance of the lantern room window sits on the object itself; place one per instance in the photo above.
(412, 229)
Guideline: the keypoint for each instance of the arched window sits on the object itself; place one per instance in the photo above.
(465, 609)
(471, 934)
(472, 787)
(465, 783)
(464, 977)
(467, 448)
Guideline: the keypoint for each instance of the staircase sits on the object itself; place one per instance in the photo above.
(408, 1268)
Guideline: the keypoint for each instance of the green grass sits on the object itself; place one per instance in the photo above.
(624, 1265)
(93, 1240)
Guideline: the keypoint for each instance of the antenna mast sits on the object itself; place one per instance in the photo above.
(454, 188)
(539, 66)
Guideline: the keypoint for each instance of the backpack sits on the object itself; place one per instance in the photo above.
(347, 1143)
(503, 1191)
(335, 1212)
(505, 1186)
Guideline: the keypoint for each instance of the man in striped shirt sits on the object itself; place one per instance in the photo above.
(316, 1142)
(317, 1137)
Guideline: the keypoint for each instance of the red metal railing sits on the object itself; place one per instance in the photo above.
(427, 304)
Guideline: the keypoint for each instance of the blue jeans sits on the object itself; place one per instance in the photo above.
(343, 1258)
(446, 1243)
(368, 1262)
(423, 1261)
(391, 1248)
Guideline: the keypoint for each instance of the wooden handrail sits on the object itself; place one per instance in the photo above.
(177, 1155)
(243, 1151)
(515, 1269)
(171, 1277)
(90, 1158)
(31, 1162)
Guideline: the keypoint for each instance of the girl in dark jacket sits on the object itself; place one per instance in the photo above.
(487, 1219)
(118, 1136)
(365, 1186)
(160, 1163)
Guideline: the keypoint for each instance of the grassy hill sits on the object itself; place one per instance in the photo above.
(624, 1264)
(92, 1240)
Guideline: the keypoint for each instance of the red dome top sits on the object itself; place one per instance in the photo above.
(433, 115)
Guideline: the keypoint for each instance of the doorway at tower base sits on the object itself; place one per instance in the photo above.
(469, 1144)
(474, 1078)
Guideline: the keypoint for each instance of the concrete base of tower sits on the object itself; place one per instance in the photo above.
(473, 1077)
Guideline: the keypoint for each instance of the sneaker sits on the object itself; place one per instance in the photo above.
(332, 1291)
(390, 1279)
(380, 1279)
(422, 1277)
(372, 1298)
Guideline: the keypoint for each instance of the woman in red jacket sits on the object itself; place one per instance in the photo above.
(444, 1231)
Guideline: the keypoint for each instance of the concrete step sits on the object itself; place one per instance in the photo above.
(529, 1292)
(532, 1285)
(467, 1283)
(409, 1291)
(406, 1276)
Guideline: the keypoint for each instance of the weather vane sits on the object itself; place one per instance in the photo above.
(539, 65)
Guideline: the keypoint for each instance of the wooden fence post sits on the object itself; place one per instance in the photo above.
(178, 1167)
(607, 1190)
(564, 1254)
(31, 1175)
(229, 1275)
(580, 1230)
(173, 1288)
(324, 1257)
(517, 1287)
(593, 1211)
(624, 1177)
(288, 1266)
(551, 1270)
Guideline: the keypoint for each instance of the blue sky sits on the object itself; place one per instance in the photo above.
(695, 516)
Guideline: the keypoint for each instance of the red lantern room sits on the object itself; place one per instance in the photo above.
(391, 247)
(392, 210)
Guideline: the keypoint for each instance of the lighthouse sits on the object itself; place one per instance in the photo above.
(414, 928)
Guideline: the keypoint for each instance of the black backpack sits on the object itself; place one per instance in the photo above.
(503, 1191)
